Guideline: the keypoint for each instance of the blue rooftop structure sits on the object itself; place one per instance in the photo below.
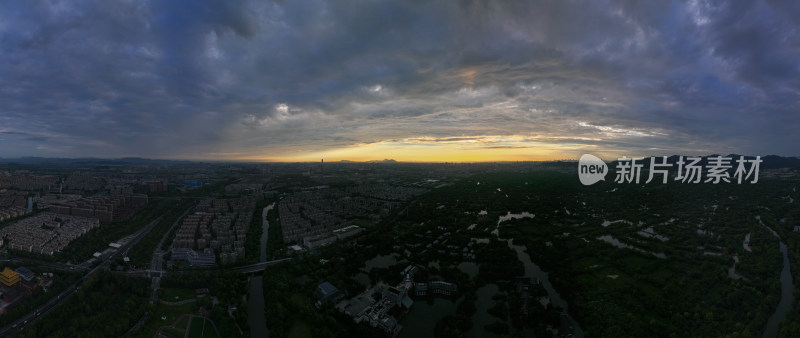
(326, 292)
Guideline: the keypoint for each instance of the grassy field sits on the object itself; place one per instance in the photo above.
(300, 329)
(201, 327)
(176, 316)
(176, 294)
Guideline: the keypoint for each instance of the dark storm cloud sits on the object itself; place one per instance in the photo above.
(197, 79)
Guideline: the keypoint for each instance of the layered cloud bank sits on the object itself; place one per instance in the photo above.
(470, 80)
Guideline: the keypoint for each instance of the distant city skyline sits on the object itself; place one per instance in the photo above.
(410, 81)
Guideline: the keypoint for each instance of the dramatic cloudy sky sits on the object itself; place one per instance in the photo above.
(410, 80)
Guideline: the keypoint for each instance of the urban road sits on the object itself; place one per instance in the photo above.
(126, 243)
(155, 266)
(253, 268)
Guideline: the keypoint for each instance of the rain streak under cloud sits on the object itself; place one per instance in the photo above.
(414, 81)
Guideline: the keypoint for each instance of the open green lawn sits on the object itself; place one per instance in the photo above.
(178, 328)
(183, 322)
(172, 314)
(202, 328)
(176, 294)
(363, 223)
(173, 332)
(299, 300)
(300, 329)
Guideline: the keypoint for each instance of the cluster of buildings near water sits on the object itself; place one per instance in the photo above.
(46, 233)
(379, 304)
(218, 227)
(324, 239)
(17, 283)
(322, 215)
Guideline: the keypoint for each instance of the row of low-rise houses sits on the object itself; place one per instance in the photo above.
(387, 192)
(311, 216)
(11, 212)
(205, 257)
(300, 219)
(238, 188)
(46, 233)
(313, 242)
(350, 206)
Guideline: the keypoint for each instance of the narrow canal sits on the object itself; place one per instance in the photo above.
(255, 299)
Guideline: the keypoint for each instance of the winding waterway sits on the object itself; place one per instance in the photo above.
(786, 297)
(255, 299)
(785, 304)
(534, 272)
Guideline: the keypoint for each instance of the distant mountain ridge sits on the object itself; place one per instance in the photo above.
(129, 160)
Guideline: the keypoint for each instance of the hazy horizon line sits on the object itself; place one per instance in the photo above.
(322, 161)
